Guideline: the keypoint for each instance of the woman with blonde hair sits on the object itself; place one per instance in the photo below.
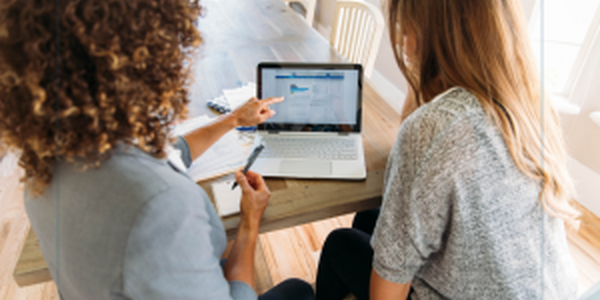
(476, 190)
(88, 91)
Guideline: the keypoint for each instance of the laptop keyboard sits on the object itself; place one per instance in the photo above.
(307, 147)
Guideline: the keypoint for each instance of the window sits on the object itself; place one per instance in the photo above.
(570, 26)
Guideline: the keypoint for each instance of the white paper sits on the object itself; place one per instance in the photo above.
(174, 156)
(223, 157)
(226, 199)
(237, 97)
(190, 125)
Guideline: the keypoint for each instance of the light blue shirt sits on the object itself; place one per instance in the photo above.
(135, 228)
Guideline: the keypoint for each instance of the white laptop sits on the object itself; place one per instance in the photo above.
(315, 132)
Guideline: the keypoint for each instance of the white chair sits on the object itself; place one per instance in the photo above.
(309, 8)
(356, 32)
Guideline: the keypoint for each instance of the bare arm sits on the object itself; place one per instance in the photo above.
(251, 113)
(240, 263)
(255, 198)
(383, 289)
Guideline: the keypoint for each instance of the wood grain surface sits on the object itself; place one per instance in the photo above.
(14, 228)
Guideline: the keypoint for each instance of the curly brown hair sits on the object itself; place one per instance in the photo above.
(120, 74)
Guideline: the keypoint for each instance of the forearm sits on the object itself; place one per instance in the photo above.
(240, 262)
(252, 112)
(202, 138)
(383, 289)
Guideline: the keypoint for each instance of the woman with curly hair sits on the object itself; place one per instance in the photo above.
(476, 187)
(87, 93)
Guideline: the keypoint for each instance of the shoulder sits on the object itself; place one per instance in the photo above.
(451, 115)
(443, 132)
(153, 188)
(133, 174)
(444, 112)
(131, 203)
(130, 182)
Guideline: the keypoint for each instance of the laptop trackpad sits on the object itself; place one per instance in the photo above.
(305, 167)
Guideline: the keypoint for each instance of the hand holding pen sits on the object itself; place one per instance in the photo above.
(251, 160)
(255, 198)
(255, 193)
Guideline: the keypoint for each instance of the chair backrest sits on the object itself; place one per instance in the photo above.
(309, 7)
(356, 32)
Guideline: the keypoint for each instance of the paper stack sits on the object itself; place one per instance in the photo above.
(239, 96)
(233, 98)
(224, 157)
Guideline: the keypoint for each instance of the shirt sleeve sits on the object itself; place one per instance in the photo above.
(171, 251)
(422, 170)
(182, 145)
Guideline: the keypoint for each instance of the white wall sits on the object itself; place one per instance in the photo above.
(528, 7)
(583, 135)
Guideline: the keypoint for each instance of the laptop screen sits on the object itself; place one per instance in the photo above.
(318, 97)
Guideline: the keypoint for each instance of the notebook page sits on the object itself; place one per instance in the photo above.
(226, 199)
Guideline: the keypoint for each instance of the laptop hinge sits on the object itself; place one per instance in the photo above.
(273, 132)
(343, 133)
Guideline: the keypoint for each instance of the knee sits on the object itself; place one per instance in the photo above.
(338, 242)
(366, 220)
(338, 237)
(361, 216)
(344, 243)
(301, 289)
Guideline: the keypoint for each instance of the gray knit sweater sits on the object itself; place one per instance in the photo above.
(459, 219)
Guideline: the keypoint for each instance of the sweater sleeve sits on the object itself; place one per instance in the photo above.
(425, 162)
(173, 251)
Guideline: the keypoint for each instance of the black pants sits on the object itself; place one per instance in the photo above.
(291, 289)
(346, 260)
(337, 252)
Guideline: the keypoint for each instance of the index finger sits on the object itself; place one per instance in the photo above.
(243, 182)
(272, 100)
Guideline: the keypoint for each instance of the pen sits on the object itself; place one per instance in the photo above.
(251, 160)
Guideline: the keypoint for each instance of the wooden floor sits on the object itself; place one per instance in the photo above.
(282, 254)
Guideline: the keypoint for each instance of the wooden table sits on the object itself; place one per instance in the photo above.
(237, 36)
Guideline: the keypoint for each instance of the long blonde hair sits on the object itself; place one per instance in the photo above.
(482, 46)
